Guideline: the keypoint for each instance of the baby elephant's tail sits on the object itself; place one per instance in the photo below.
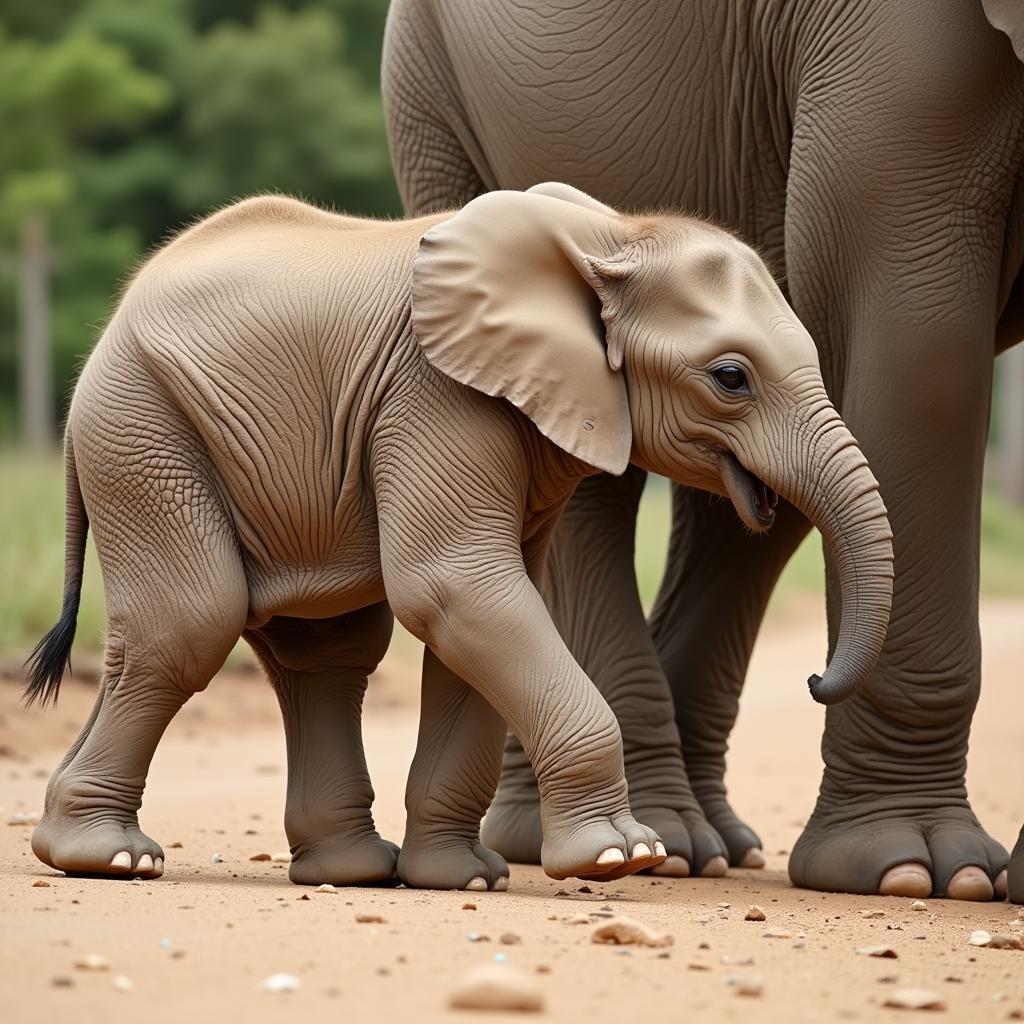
(46, 663)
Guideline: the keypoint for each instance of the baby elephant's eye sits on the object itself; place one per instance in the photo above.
(732, 378)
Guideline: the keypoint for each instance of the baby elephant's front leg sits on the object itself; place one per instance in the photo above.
(497, 635)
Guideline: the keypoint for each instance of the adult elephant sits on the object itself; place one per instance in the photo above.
(874, 152)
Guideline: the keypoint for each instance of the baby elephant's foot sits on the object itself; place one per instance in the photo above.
(445, 865)
(100, 842)
(341, 859)
(601, 849)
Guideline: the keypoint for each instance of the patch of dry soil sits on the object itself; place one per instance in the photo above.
(197, 944)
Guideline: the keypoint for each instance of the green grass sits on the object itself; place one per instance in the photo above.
(32, 557)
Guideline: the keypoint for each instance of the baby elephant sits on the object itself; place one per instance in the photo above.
(299, 422)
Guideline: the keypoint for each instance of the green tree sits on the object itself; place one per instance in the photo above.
(273, 106)
(55, 97)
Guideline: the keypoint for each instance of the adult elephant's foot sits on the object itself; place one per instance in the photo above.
(343, 858)
(891, 851)
(88, 830)
(742, 844)
(692, 846)
(438, 862)
(1015, 874)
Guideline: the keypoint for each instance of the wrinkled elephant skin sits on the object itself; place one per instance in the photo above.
(298, 423)
(874, 152)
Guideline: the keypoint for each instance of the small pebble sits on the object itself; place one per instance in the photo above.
(260, 857)
(509, 939)
(24, 818)
(915, 999)
(280, 983)
(919, 905)
(165, 943)
(497, 987)
(469, 906)
(999, 941)
(216, 858)
(326, 887)
(370, 919)
(576, 919)
(92, 962)
(62, 981)
(884, 952)
(724, 906)
(477, 937)
(123, 984)
(777, 933)
(624, 931)
(40, 884)
(749, 985)
(872, 915)
(754, 913)
(738, 961)
(281, 858)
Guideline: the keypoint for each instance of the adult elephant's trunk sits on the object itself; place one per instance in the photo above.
(826, 476)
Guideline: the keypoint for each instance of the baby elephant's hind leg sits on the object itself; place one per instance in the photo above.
(175, 608)
(451, 783)
(319, 669)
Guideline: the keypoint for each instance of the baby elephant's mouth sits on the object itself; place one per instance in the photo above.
(754, 500)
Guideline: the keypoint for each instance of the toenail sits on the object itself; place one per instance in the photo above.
(145, 863)
(910, 880)
(715, 868)
(672, 867)
(659, 849)
(611, 856)
(971, 884)
(158, 866)
(1000, 885)
(477, 884)
(753, 858)
(501, 884)
(122, 860)
(641, 850)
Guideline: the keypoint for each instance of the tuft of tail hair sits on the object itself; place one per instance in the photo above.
(52, 654)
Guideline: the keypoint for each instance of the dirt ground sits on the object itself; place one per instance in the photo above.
(196, 944)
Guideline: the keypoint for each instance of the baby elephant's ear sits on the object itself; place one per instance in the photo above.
(504, 301)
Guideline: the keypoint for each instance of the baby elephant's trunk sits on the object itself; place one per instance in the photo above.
(826, 476)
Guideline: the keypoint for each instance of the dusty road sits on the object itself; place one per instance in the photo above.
(196, 944)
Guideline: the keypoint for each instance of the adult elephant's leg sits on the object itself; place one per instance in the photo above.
(590, 588)
(895, 237)
(319, 670)
(1015, 885)
(717, 583)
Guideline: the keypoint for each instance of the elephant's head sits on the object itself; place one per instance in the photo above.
(663, 341)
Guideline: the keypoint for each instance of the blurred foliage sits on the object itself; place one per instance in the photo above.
(123, 120)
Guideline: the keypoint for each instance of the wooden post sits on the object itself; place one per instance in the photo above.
(1011, 424)
(35, 359)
